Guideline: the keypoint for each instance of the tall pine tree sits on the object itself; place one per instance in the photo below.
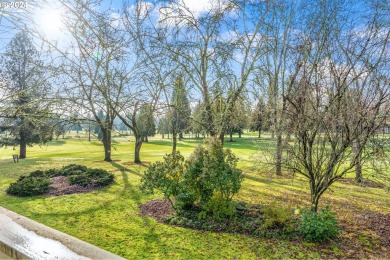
(258, 117)
(180, 111)
(22, 74)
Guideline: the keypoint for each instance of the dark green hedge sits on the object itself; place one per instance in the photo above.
(94, 177)
(29, 186)
(37, 182)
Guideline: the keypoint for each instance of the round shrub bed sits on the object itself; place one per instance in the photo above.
(29, 186)
(69, 179)
(268, 221)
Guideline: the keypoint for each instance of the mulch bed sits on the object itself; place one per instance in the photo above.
(373, 221)
(157, 209)
(61, 186)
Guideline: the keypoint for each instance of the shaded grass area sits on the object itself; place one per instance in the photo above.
(109, 218)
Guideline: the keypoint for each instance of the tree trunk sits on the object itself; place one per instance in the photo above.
(23, 150)
(222, 137)
(23, 144)
(146, 139)
(107, 144)
(314, 202)
(174, 141)
(107, 152)
(138, 144)
(239, 134)
(358, 166)
(162, 136)
(89, 132)
(278, 160)
(358, 171)
(231, 136)
(314, 196)
(259, 133)
(180, 136)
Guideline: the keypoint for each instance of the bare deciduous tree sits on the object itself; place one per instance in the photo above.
(330, 107)
(216, 48)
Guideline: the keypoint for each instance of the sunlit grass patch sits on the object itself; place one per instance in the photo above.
(109, 218)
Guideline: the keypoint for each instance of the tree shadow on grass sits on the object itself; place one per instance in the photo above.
(142, 164)
(76, 212)
(287, 181)
(150, 236)
(124, 169)
(128, 188)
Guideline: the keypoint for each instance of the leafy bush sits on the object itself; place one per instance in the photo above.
(212, 174)
(164, 176)
(29, 186)
(218, 208)
(275, 216)
(209, 178)
(185, 198)
(319, 227)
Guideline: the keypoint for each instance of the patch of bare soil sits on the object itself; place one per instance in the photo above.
(157, 209)
(61, 186)
(365, 183)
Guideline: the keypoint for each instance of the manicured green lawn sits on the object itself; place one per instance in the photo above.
(109, 218)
